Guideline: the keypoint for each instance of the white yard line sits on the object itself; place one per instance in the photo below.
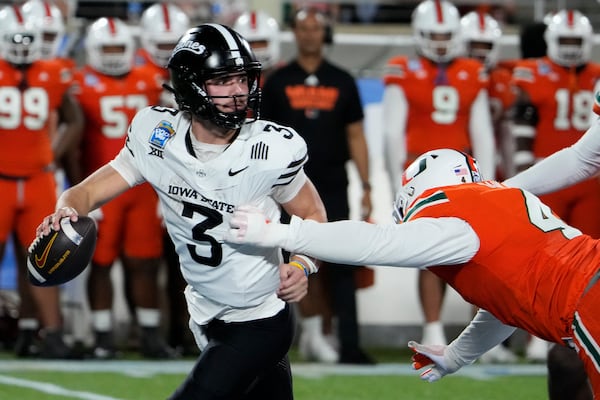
(51, 388)
(150, 368)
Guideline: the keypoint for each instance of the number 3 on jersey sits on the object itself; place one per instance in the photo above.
(212, 219)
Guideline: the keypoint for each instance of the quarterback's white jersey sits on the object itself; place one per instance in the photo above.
(197, 199)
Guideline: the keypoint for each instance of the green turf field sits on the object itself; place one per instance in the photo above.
(141, 380)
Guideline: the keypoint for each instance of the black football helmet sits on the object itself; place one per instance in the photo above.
(209, 51)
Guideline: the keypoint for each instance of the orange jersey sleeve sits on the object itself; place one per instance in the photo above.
(528, 258)
(563, 98)
(28, 100)
(439, 101)
(109, 104)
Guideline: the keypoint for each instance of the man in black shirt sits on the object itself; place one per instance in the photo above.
(321, 101)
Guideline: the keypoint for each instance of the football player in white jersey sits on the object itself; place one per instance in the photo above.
(203, 160)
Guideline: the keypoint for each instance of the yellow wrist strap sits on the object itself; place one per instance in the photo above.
(299, 266)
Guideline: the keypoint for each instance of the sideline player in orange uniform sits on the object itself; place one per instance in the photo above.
(501, 248)
(111, 90)
(48, 18)
(553, 110)
(431, 101)
(481, 34)
(32, 90)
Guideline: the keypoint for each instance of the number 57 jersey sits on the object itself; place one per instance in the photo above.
(262, 166)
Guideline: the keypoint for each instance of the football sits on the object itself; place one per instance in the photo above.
(62, 255)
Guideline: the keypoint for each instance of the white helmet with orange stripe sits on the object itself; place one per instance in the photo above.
(436, 168)
(110, 46)
(481, 34)
(436, 28)
(21, 41)
(162, 25)
(262, 32)
(49, 19)
(569, 38)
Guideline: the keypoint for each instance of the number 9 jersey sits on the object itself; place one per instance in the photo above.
(428, 106)
(263, 166)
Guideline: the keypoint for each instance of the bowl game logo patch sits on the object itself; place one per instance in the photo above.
(161, 134)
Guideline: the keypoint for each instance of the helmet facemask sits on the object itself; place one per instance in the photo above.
(23, 48)
(21, 39)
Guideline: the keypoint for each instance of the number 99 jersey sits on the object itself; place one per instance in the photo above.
(263, 166)
(28, 98)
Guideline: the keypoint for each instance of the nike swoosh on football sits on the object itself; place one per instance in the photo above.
(41, 261)
(233, 173)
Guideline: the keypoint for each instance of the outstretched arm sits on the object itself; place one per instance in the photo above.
(418, 244)
(484, 332)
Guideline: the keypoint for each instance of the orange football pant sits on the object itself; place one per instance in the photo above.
(25, 203)
(130, 226)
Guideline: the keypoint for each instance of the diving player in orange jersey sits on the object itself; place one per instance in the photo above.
(436, 100)
(501, 248)
(111, 90)
(32, 91)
